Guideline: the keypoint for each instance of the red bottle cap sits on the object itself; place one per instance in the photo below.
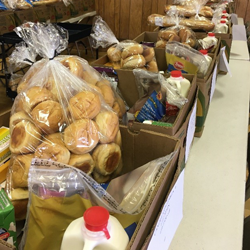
(224, 11)
(176, 73)
(222, 21)
(211, 34)
(96, 219)
(224, 17)
(203, 52)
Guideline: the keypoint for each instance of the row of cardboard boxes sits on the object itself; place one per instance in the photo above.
(56, 12)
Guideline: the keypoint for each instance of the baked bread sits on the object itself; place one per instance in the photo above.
(18, 117)
(48, 116)
(52, 151)
(118, 139)
(152, 66)
(85, 104)
(108, 123)
(132, 62)
(83, 162)
(107, 92)
(20, 166)
(107, 158)
(54, 138)
(25, 137)
(114, 54)
(34, 96)
(149, 54)
(101, 178)
(119, 107)
(81, 136)
(20, 208)
(198, 24)
(135, 49)
(161, 44)
(166, 34)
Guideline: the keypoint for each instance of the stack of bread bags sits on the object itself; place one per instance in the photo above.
(62, 117)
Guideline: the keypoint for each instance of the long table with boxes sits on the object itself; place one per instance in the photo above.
(112, 136)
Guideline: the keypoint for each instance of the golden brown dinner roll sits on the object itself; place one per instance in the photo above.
(148, 54)
(22, 86)
(83, 162)
(73, 65)
(166, 34)
(135, 49)
(108, 123)
(106, 158)
(101, 178)
(54, 138)
(48, 116)
(132, 62)
(81, 136)
(107, 92)
(34, 96)
(161, 44)
(20, 166)
(118, 139)
(52, 151)
(85, 104)
(20, 208)
(18, 117)
(114, 54)
(118, 171)
(152, 66)
(25, 137)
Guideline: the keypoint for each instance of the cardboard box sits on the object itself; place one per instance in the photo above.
(61, 12)
(22, 16)
(3, 171)
(73, 9)
(44, 13)
(6, 246)
(7, 22)
(7, 221)
(139, 148)
(79, 6)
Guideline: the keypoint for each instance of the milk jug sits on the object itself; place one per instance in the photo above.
(95, 230)
(209, 42)
(225, 19)
(207, 57)
(180, 82)
(221, 27)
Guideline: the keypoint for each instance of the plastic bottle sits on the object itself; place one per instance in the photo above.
(210, 42)
(207, 57)
(221, 27)
(95, 230)
(224, 13)
(181, 83)
(224, 18)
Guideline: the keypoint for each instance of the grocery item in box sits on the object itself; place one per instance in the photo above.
(127, 54)
(4, 144)
(7, 221)
(3, 170)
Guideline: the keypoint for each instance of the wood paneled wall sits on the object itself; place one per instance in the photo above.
(242, 9)
(128, 18)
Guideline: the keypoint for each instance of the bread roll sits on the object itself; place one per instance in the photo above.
(114, 54)
(83, 162)
(85, 104)
(166, 34)
(73, 65)
(52, 151)
(161, 44)
(101, 178)
(34, 96)
(132, 62)
(25, 137)
(108, 124)
(54, 138)
(18, 117)
(107, 158)
(198, 24)
(20, 166)
(152, 66)
(119, 107)
(22, 86)
(149, 54)
(48, 116)
(135, 49)
(118, 171)
(107, 92)
(118, 139)
(19, 194)
(81, 136)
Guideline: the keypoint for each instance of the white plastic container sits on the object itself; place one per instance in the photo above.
(224, 13)
(225, 19)
(210, 42)
(208, 58)
(95, 230)
(180, 82)
(221, 27)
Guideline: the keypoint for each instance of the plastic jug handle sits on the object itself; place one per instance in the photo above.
(89, 244)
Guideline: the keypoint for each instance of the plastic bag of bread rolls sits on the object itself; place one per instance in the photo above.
(177, 33)
(58, 116)
(187, 60)
(127, 54)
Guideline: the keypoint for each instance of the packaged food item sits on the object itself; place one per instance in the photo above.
(187, 60)
(96, 228)
(59, 115)
(221, 27)
(126, 54)
(208, 58)
(225, 19)
(209, 43)
(18, 4)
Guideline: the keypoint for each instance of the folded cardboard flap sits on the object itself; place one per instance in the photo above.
(6, 246)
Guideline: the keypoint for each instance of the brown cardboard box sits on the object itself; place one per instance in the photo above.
(138, 149)
(7, 22)
(44, 13)
(6, 246)
(79, 6)
(24, 15)
(61, 12)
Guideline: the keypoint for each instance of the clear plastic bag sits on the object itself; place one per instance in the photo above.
(63, 193)
(18, 4)
(189, 55)
(58, 116)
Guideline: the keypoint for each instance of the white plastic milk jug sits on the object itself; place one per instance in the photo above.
(221, 27)
(95, 230)
(207, 57)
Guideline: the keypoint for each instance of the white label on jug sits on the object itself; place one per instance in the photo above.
(170, 217)
(190, 131)
(213, 82)
(158, 21)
